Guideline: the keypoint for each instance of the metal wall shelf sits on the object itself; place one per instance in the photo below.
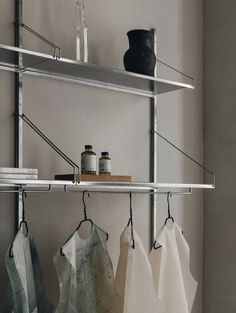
(39, 64)
(101, 186)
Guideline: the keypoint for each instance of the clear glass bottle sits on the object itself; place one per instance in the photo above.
(105, 164)
(81, 33)
(88, 161)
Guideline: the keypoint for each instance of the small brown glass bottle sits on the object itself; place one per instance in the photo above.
(105, 164)
(88, 161)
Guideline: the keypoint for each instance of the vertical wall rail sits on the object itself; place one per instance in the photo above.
(18, 132)
(153, 151)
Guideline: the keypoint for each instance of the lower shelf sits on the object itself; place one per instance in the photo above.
(99, 186)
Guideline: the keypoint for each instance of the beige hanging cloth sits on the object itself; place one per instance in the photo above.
(170, 263)
(134, 282)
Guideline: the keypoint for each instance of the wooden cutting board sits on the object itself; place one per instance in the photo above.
(98, 178)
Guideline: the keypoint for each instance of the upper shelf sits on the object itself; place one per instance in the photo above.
(39, 64)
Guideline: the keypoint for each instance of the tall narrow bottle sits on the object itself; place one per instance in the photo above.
(81, 33)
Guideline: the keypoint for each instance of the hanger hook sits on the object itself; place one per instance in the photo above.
(169, 194)
(83, 199)
(130, 208)
(10, 251)
(23, 220)
(130, 222)
(24, 195)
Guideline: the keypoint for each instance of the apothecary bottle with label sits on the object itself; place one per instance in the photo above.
(88, 161)
(105, 164)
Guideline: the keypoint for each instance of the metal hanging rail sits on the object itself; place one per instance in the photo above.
(188, 192)
(78, 188)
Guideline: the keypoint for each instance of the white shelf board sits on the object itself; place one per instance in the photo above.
(45, 65)
(101, 186)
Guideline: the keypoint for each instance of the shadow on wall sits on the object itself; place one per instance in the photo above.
(180, 120)
(7, 224)
(7, 202)
(192, 135)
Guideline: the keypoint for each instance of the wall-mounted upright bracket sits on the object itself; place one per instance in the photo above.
(18, 129)
(153, 150)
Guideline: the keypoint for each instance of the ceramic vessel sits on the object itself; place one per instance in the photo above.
(140, 57)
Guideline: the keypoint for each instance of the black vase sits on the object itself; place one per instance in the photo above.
(140, 57)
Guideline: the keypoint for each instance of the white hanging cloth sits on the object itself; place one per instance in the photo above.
(134, 281)
(85, 275)
(170, 263)
(27, 292)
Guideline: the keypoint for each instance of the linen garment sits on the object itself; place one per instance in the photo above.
(171, 270)
(85, 275)
(134, 281)
(26, 294)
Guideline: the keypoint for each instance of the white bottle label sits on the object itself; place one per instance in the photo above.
(88, 163)
(105, 166)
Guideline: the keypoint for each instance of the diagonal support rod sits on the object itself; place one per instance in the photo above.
(188, 156)
(54, 46)
(52, 145)
(176, 70)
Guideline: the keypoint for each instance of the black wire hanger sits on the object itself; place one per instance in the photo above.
(130, 221)
(85, 219)
(169, 194)
(23, 221)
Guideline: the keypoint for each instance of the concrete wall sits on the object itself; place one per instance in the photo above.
(73, 115)
(220, 151)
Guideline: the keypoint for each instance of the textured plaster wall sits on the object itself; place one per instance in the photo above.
(73, 115)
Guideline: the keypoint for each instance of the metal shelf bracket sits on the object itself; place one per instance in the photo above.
(52, 145)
